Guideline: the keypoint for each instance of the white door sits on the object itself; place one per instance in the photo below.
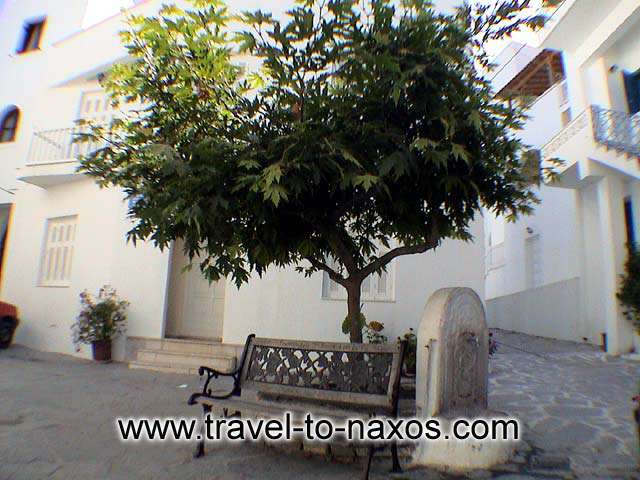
(95, 108)
(196, 308)
(203, 307)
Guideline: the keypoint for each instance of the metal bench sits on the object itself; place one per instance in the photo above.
(329, 380)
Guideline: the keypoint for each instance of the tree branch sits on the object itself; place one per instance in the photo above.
(333, 275)
(380, 262)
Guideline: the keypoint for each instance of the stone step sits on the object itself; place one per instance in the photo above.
(186, 360)
(136, 365)
(211, 348)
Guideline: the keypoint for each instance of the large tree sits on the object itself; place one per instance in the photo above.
(370, 131)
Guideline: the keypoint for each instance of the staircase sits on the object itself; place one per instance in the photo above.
(185, 356)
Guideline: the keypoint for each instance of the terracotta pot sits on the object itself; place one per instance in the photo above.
(101, 350)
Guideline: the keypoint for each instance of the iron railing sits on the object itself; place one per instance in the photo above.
(50, 146)
(616, 130)
(611, 129)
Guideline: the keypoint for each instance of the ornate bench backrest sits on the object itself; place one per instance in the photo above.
(367, 375)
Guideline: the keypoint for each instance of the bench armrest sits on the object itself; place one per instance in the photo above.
(212, 374)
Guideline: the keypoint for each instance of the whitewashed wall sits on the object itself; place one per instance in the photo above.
(582, 231)
(101, 256)
(285, 304)
(554, 219)
(47, 87)
(24, 76)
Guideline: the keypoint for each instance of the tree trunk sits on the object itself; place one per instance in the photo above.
(353, 312)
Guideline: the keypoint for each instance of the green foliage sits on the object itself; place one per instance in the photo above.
(361, 323)
(411, 352)
(373, 332)
(100, 318)
(370, 127)
(629, 292)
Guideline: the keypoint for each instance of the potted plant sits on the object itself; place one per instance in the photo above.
(411, 352)
(373, 332)
(99, 321)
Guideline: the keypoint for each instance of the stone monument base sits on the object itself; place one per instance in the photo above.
(458, 456)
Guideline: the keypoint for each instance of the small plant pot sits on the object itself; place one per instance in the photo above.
(101, 351)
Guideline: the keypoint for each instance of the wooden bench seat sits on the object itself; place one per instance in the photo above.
(326, 379)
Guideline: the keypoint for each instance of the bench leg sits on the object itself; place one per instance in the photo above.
(395, 468)
(206, 409)
(367, 465)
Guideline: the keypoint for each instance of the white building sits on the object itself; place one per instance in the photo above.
(67, 235)
(556, 272)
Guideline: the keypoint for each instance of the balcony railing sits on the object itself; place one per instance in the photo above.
(616, 130)
(609, 128)
(51, 146)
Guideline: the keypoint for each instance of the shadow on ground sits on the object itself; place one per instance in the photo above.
(57, 420)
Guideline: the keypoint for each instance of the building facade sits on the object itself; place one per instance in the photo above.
(556, 272)
(67, 235)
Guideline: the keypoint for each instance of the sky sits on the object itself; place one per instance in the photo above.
(98, 10)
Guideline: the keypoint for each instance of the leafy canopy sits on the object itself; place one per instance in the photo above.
(369, 131)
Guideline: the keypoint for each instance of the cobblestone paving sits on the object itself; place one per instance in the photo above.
(57, 420)
(575, 400)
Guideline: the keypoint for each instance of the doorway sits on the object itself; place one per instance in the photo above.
(196, 307)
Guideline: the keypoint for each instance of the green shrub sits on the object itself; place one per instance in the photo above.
(629, 292)
(373, 332)
(411, 352)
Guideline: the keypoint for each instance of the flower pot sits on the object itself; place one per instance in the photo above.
(101, 350)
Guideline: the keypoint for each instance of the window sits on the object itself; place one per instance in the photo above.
(376, 287)
(628, 222)
(32, 36)
(9, 125)
(55, 267)
(632, 89)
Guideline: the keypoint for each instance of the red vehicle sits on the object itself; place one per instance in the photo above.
(8, 323)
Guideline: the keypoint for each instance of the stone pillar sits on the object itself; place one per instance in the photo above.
(452, 380)
(453, 355)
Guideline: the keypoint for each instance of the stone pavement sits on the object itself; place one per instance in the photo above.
(575, 400)
(57, 420)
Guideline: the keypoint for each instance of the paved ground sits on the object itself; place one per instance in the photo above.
(575, 400)
(56, 420)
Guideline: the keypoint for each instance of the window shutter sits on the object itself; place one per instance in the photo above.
(366, 288)
(55, 266)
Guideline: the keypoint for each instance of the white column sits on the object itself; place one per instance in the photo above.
(618, 332)
(582, 328)
(577, 97)
(596, 77)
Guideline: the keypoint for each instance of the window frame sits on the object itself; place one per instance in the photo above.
(10, 112)
(632, 91)
(44, 280)
(30, 29)
(333, 291)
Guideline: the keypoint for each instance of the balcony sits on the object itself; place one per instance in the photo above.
(609, 137)
(53, 157)
(617, 131)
